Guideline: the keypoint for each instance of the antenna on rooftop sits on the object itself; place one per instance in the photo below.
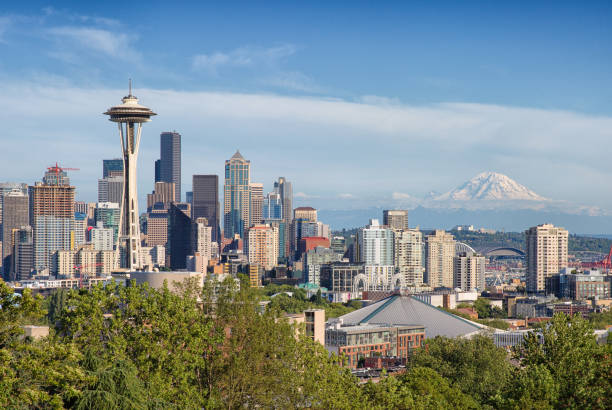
(130, 81)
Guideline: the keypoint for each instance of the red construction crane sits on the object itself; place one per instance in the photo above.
(78, 268)
(57, 169)
(605, 263)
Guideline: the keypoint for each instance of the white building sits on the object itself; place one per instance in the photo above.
(376, 244)
(102, 238)
(202, 238)
(153, 255)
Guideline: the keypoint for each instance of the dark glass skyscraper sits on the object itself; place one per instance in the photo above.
(206, 201)
(112, 167)
(179, 235)
(15, 206)
(170, 161)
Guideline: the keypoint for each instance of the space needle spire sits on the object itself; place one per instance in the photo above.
(129, 116)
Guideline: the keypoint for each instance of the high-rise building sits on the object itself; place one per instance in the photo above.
(396, 219)
(284, 188)
(469, 271)
(110, 189)
(108, 213)
(205, 190)
(15, 207)
(305, 212)
(257, 200)
(158, 170)
(101, 237)
(179, 235)
(112, 167)
(314, 260)
(439, 254)
(170, 161)
(408, 256)
(279, 225)
(546, 254)
(338, 244)
(5, 188)
(80, 229)
(202, 238)
(262, 246)
(376, 244)
(272, 206)
(23, 253)
(164, 193)
(52, 217)
(157, 226)
(129, 116)
(237, 196)
(302, 228)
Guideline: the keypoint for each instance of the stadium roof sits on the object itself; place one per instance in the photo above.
(405, 310)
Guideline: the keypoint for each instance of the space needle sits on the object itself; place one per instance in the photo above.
(129, 116)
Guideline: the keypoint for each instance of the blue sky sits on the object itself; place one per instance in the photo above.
(358, 103)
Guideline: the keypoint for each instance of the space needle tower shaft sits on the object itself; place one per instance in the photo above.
(129, 117)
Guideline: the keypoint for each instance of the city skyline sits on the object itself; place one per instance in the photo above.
(501, 124)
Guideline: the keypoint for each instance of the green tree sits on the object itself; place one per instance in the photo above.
(580, 368)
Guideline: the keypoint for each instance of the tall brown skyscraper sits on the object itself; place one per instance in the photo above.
(205, 190)
(257, 199)
(396, 219)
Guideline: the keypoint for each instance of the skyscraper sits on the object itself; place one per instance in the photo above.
(170, 161)
(23, 253)
(396, 219)
(408, 255)
(110, 189)
(5, 188)
(376, 244)
(15, 206)
(546, 254)
(52, 217)
(439, 254)
(257, 200)
(112, 167)
(237, 196)
(205, 190)
(108, 213)
(262, 246)
(469, 271)
(272, 207)
(285, 190)
(179, 235)
(164, 192)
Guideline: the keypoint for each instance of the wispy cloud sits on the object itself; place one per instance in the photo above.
(399, 196)
(293, 80)
(241, 57)
(109, 43)
(346, 196)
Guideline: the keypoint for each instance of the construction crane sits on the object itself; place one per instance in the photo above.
(57, 169)
(79, 268)
(605, 263)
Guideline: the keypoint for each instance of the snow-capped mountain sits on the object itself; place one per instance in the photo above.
(491, 186)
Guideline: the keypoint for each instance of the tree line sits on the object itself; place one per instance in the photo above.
(120, 347)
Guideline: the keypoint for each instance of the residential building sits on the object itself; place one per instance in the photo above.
(279, 225)
(357, 342)
(152, 256)
(179, 235)
(85, 261)
(51, 216)
(376, 244)
(102, 238)
(257, 200)
(108, 214)
(206, 202)
(408, 255)
(164, 193)
(469, 271)
(338, 244)
(15, 214)
(202, 238)
(306, 213)
(237, 196)
(546, 254)
(579, 286)
(313, 321)
(262, 246)
(396, 219)
(170, 161)
(80, 229)
(439, 254)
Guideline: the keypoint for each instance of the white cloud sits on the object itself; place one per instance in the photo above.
(110, 43)
(365, 149)
(243, 56)
(293, 81)
(346, 196)
(398, 196)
